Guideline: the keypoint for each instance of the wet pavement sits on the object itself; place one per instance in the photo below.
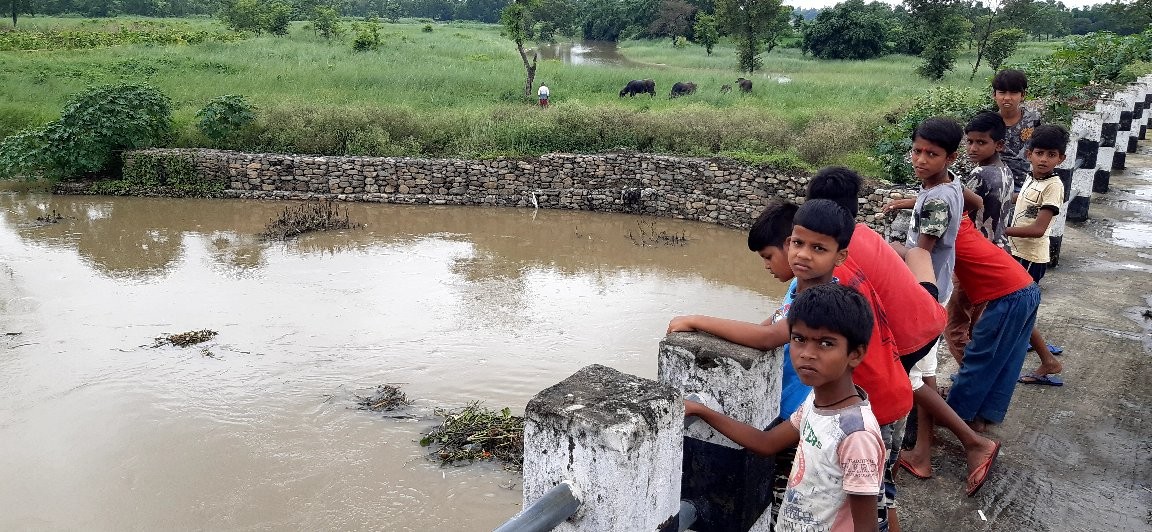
(1077, 457)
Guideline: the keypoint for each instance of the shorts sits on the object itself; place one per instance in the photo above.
(1035, 269)
(926, 367)
(893, 435)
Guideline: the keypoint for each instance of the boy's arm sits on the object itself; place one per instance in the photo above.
(899, 204)
(1035, 229)
(919, 261)
(863, 512)
(934, 219)
(763, 442)
(972, 200)
(754, 335)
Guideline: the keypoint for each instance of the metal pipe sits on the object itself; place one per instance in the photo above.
(556, 505)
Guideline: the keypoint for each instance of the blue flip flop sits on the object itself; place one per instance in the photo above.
(1054, 349)
(1043, 380)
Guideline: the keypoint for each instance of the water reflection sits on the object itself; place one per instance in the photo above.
(457, 304)
(594, 53)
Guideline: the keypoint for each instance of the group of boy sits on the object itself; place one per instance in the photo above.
(861, 319)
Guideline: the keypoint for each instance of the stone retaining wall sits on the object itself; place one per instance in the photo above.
(710, 190)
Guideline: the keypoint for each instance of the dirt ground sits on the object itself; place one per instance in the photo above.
(1077, 457)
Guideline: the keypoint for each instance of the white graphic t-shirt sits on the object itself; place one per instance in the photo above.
(840, 453)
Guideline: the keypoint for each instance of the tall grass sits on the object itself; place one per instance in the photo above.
(458, 91)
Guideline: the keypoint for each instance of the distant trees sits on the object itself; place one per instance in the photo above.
(941, 28)
(705, 31)
(257, 16)
(847, 31)
(753, 24)
(674, 18)
(1001, 45)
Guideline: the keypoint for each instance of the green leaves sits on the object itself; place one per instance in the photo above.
(895, 138)
(224, 116)
(94, 127)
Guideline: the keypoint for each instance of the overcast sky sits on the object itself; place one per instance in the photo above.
(805, 4)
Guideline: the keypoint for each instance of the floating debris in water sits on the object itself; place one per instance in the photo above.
(52, 218)
(477, 433)
(319, 216)
(185, 339)
(388, 397)
(649, 237)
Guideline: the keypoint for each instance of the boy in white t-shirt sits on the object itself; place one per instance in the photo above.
(839, 463)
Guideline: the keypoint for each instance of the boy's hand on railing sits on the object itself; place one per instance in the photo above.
(682, 324)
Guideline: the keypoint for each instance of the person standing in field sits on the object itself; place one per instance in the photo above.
(543, 93)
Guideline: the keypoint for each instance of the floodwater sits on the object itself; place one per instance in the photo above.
(593, 53)
(99, 431)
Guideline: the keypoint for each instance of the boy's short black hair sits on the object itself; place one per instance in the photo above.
(1010, 80)
(772, 227)
(987, 122)
(827, 218)
(838, 184)
(837, 308)
(941, 131)
(1049, 137)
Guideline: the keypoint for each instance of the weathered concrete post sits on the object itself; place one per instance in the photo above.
(617, 440)
(1124, 128)
(1085, 126)
(1147, 81)
(1110, 114)
(729, 486)
(1064, 172)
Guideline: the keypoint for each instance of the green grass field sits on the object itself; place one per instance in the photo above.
(457, 91)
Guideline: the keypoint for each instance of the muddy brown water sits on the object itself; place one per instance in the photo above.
(591, 53)
(100, 432)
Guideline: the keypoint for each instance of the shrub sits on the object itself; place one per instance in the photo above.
(1002, 43)
(367, 35)
(847, 31)
(93, 128)
(224, 117)
(680, 41)
(895, 142)
(427, 28)
(326, 21)
(168, 174)
(257, 16)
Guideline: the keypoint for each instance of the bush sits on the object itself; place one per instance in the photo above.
(895, 142)
(847, 31)
(93, 128)
(161, 173)
(326, 21)
(427, 28)
(224, 117)
(1002, 43)
(367, 35)
(257, 16)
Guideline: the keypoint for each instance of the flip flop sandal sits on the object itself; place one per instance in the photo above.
(1042, 380)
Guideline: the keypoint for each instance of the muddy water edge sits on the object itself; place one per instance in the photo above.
(258, 429)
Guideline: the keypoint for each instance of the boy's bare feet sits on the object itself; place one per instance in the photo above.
(980, 459)
(1049, 367)
(978, 425)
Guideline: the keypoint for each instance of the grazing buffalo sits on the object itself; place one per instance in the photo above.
(638, 86)
(682, 88)
(725, 88)
(745, 85)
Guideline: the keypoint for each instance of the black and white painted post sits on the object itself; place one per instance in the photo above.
(1086, 127)
(602, 451)
(727, 484)
(1124, 128)
(1146, 83)
(1065, 173)
(1109, 110)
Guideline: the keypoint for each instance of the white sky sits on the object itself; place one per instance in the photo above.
(805, 4)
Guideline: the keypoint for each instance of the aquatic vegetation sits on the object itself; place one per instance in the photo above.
(322, 215)
(476, 433)
(185, 339)
(388, 397)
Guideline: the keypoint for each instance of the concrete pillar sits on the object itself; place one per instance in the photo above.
(1137, 92)
(1064, 172)
(1085, 127)
(1110, 112)
(1123, 128)
(1147, 82)
(1143, 97)
(730, 486)
(617, 439)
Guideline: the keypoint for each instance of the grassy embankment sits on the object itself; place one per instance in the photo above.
(456, 91)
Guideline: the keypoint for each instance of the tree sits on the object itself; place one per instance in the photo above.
(1001, 45)
(673, 19)
(846, 31)
(705, 31)
(326, 22)
(752, 23)
(941, 29)
(516, 18)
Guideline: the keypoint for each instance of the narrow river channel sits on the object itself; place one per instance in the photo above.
(99, 431)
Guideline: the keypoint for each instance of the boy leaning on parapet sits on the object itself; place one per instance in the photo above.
(1039, 201)
(1009, 88)
(834, 481)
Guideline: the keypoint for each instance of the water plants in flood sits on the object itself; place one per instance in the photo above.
(321, 215)
(476, 433)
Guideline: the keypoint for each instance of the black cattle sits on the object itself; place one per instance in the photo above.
(638, 86)
(682, 88)
(745, 84)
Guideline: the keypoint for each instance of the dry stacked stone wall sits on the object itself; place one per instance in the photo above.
(719, 191)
